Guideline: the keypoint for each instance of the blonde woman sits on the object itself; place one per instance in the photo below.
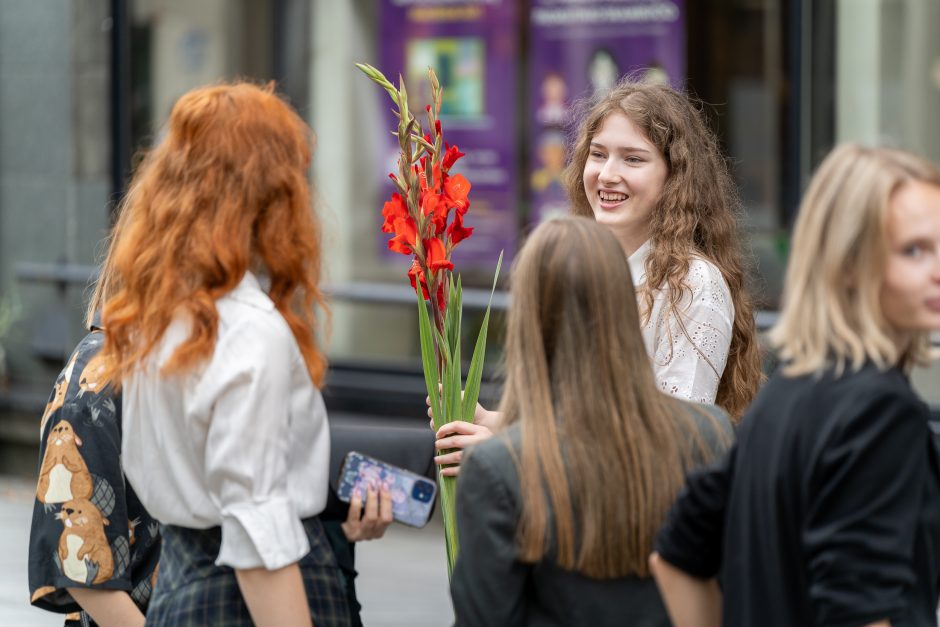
(557, 513)
(645, 165)
(830, 500)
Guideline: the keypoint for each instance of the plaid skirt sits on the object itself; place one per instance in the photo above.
(192, 591)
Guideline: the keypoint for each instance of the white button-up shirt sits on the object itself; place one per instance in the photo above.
(688, 352)
(241, 442)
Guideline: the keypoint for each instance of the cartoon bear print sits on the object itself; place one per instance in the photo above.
(58, 394)
(83, 548)
(91, 379)
(64, 475)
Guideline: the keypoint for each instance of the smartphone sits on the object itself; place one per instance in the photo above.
(412, 495)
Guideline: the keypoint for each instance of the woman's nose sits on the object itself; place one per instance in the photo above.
(609, 173)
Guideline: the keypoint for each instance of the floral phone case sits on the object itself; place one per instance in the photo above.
(412, 495)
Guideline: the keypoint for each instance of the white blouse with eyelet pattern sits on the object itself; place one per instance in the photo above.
(689, 351)
(241, 442)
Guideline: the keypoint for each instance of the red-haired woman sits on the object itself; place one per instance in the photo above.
(209, 317)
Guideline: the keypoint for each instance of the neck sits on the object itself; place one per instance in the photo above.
(630, 240)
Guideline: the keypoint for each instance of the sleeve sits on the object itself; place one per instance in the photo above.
(865, 495)
(488, 585)
(245, 392)
(80, 535)
(691, 538)
(691, 347)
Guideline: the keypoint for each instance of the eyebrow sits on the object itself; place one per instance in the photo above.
(623, 148)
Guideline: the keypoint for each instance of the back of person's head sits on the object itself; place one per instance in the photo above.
(224, 192)
(696, 214)
(832, 314)
(578, 373)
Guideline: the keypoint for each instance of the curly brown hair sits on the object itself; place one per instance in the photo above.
(696, 214)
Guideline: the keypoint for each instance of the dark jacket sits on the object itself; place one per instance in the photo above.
(491, 586)
(825, 512)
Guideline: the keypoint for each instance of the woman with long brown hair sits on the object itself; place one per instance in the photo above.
(645, 165)
(556, 513)
(208, 309)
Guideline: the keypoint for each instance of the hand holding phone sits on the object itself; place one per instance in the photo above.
(412, 495)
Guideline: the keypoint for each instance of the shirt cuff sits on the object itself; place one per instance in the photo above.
(262, 535)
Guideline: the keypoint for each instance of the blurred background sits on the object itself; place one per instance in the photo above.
(86, 86)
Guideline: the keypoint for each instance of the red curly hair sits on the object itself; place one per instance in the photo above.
(224, 192)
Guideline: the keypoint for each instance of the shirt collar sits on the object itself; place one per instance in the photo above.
(249, 291)
(637, 262)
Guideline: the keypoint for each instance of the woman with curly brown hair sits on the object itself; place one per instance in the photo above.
(208, 308)
(645, 165)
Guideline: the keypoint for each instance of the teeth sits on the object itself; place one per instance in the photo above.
(612, 196)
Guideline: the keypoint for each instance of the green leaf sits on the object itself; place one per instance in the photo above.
(471, 392)
(428, 359)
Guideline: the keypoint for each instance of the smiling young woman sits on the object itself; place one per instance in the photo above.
(645, 165)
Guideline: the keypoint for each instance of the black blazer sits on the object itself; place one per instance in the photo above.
(491, 586)
(825, 512)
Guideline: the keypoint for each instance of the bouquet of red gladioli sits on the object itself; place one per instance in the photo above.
(426, 215)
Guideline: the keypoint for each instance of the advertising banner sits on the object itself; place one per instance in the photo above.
(578, 49)
(472, 46)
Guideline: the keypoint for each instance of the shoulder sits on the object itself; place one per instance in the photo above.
(864, 386)
(843, 405)
(873, 389)
(705, 276)
(498, 451)
(710, 422)
(494, 460)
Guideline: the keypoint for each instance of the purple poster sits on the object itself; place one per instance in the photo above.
(472, 48)
(579, 48)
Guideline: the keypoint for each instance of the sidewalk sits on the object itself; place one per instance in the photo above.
(402, 577)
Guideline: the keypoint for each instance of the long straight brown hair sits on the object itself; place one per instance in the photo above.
(578, 374)
(695, 215)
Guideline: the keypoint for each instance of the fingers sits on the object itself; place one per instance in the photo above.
(355, 507)
(449, 458)
(456, 441)
(450, 471)
(372, 506)
(385, 508)
(370, 522)
(460, 427)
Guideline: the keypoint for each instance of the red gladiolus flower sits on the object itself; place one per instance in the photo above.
(457, 188)
(435, 174)
(434, 205)
(436, 255)
(451, 155)
(416, 275)
(393, 210)
(457, 231)
(406, 234)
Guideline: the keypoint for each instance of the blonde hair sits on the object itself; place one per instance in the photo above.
(831, 314)
(578, 373)
(695, 215)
